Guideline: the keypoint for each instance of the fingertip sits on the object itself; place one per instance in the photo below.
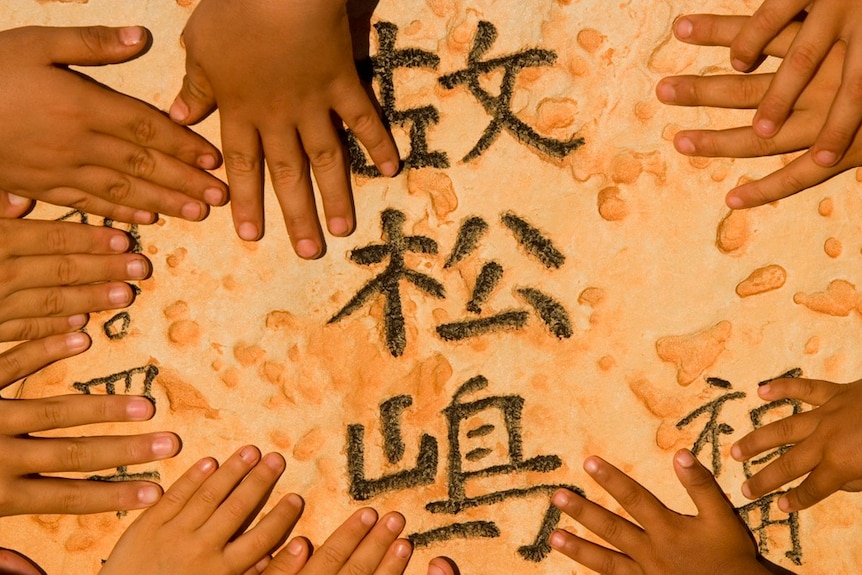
(740, 65)
(149, 494)
(132, 35)
(592, 465)
(765, 127)
(746, 491)
(785, 505)
(179, 111)
(734, 200)
(683, 28)
(139, 409)
(307, 249)
(685, 459)
(684, 145)
(561, 498)
(825, 158)
(248, 231)
(736, 452)
(389, 169)
(78, 321)
(665, 91)
(297, 547)
(77, 342)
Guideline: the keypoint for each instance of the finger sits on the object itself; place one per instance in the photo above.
(219, 486)
(42, 327)
(268, 534)
(244, 166)
(79, 496)
(738, 92)
(442, 566)
(326, 156)
(792, 464)
(634, 498)
(87, 46)
(66, 301)
(797, 68)
(292, 182)
(56, 455)
(291, 559)
(339, 546)
(13, 563)
(701, 486)
(810, 391)
(31, 356)
(180, 493)
(244, 502)
(37, 237)
(145, 162)
(33, 415)
(13, 206)
(766, 23)
(592, 556)
(196, 98)
(93, 204)
(800, 174)
(363, 119)
(820, 484)
(845, 116)
(380, 552)
(788, 431)
(73, 270)
(622, 534)
(713, 30)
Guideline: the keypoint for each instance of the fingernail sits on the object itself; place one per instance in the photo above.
(557, 540)
(248, 454)
(434, 570)
(138, 408)
(17, 201)
(118, 295)
(395, 523)
(826, 158)
(338, 226)
(403, 549)
(137, 269)
(77, 341)
(78, 321)
(131, 35)
(192, 211)
(307, 249)
(214, 196)
(736, 452)
(784, 504)
(368, 517)
(591, 465)
(746, 491)
(739, 65)
(560, 499)
(734, 202)
(296, 547)
(163, 446)
(388, 169)
(666, 92)
(274, 462)
(179, 111)
(142, 217)
(119, 243)
(247, 231)
(685, 458)
(765, 127)
(149, 494)
(207, 161)
(763, 390)
(295, 500)
(206, 465)
(684, 145)
(683, 28)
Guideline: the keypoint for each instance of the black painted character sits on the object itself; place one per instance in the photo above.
(474, 453)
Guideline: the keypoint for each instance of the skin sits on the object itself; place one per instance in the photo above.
(746, 92)
(282, 93)
(826, 23)
(73, 142)
(209, 508)
(24, 458)
(13, 563)
(52, 274)
(661, 542)
(825, 443)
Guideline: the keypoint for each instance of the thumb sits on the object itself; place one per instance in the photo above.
(700, 484)
(90, 45)
(16, 564)
(195, 100)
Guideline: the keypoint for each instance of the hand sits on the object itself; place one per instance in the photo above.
(798, 133)
(664, 542)
(13, 563)
(23, 458)
(72, 142)
(12, 206)
(826, 443)
(54, 273)
(827, 22)
(282, 74)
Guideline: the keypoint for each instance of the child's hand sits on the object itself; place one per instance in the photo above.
(283, 77)
(69, 141)
(54, 273)
(194, 528)
(662, 542)
(12, 206)
(827, 443)
(23, 458)
(827, 22)
(798, 133)
(13, 563)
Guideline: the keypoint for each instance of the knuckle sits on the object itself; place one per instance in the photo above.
(608, 563)
(10, 364)
(804, 58)
(67, 271)
(93, 37)
(120, 190)
(784, 430)
(356, 569)
(851, 85)
(241, 162)
(144, 130)
(72, 499)
(785, 467)
(54, 413)
(609, 528)
(56, 239)
(325, 159)
(330, 556)
(142, 163)
(54, 302)
(32, 329)
(366, 127)
(767, 21)
(77, 456)
(208, 497)
(286, 174)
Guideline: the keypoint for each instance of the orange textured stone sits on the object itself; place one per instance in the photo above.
(437, 186)
(591, 296)
(309, 445)
(183, 397)
(176, 310)
(839, 299)
(693, 353)
(762, 280)
(812, 346)
(184, 332)
(230, 377)
(733, 233)
(590, 40)
(606, 363)
(825, 207)
(833, 247)
(611, 207)
(176, 257)
(248, 355)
